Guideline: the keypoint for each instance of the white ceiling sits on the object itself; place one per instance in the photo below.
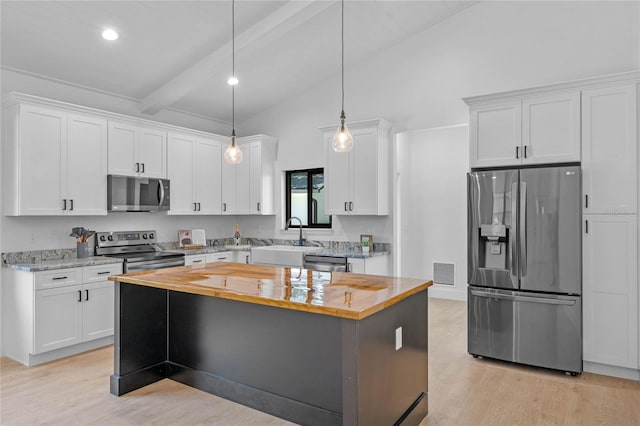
(177, 54)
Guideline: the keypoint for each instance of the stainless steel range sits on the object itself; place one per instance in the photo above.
(138, 249)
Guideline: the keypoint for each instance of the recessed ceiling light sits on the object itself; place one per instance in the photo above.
(232, 81)
(110, 34)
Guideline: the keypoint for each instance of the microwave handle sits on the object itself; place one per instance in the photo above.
(161, 193)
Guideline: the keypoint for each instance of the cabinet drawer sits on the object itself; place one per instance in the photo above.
(100, 272)
(195, 259)
(225, 256)
(57, 278)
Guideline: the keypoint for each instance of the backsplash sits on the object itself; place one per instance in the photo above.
(37, 256)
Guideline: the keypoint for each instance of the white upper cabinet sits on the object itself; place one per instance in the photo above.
(609, 150)
(195, 174)
(54, 162)
(537, 129)
(357, 182)
(248, 187)
(496, 134)
(137, 151)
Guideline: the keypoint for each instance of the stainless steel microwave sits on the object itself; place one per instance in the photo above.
(136, 194)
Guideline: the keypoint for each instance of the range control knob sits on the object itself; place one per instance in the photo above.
(110, 237)
(102, 238)
(151, 236)
(144, 236)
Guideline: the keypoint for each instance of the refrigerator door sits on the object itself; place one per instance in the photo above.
(491, 228)
(550, 230)
(538, 329)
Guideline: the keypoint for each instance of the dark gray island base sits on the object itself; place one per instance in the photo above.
(305, 367)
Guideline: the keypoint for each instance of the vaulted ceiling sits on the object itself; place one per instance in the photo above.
(177, 54)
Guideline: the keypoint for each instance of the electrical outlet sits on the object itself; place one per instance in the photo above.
(398, 338)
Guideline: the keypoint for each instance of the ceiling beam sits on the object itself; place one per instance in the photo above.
(280, 22)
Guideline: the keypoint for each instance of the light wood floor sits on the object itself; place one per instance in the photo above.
(462, 391)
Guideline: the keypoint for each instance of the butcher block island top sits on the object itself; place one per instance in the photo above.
(339, 294)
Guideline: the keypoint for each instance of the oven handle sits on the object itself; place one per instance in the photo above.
(147, 266)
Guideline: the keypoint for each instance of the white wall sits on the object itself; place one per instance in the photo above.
(434, 205)
(418, 84)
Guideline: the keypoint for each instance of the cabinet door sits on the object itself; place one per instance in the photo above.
(255, 177)
(496, 134)
(551, 129)
(181, 154)
(243, 182)
(337, 178)
(610, 290)
(609, 150)
(242, 256)
(123, 143)
(97, 310)
(208, 188)
(223, 256)
(364, 172)
(152, 153)
(229, 183)
(356, 265)
(57, 318)
(86, 165)
(43, 135)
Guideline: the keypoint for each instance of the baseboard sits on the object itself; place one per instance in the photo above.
(447, 292)
(611, 370)
(68, 351)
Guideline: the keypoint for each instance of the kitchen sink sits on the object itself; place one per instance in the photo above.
(281, 255)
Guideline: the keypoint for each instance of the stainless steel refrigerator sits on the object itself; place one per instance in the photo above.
(524, 266)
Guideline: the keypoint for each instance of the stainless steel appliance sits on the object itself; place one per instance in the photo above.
(138, 249)
(326, 263)
(524, 266)
(135, 194)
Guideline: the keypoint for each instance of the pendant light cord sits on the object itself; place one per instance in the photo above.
(233, 66)
(342, 44)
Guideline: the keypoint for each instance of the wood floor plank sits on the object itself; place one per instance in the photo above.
(462, 391)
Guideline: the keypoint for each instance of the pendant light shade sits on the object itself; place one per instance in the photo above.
(233, 153)
(342, 140)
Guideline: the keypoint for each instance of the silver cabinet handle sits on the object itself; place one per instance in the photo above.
(525, 151)
(59, 278)
(64, 204)
(197, 261)
(86, 295)
(79, 295)
(198, 206)
(586, 226)
(195, 207)
(224, 207)
(103, 273)
(258, 206)
(586, 201)
(346, 208)
(142, 167)
(517, 152)
(350, 206)
(137, 167)
(71, 200)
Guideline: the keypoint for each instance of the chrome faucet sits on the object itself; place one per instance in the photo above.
(300, 239)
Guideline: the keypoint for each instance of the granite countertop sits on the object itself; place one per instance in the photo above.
(339, 294)
(73, 262)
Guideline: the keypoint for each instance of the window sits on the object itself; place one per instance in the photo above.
(305, 198)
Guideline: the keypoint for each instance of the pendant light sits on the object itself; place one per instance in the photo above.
(342, 140)
(233, 153)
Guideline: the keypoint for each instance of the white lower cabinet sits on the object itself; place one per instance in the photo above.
(242, 256)
(375, 265)
(610, 290)
(195, 259)
(57, 310)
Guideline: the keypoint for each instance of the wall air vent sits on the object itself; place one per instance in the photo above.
(444, 273)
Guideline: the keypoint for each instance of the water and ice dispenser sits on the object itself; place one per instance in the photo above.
(493, 250)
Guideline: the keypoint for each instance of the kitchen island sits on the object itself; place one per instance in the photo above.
(307, 346)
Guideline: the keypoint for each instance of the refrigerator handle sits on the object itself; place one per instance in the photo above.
(522, 298)
(523, 229)
(512, 236)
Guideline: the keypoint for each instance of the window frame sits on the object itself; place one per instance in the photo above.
(287, 212)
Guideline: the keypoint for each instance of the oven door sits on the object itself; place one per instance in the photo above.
(149, 265)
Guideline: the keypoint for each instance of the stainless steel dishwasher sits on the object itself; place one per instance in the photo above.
(326, 263)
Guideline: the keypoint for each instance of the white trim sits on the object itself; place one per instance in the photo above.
(68, 351)
(611, 370)
(438, 291)
(587, 83)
